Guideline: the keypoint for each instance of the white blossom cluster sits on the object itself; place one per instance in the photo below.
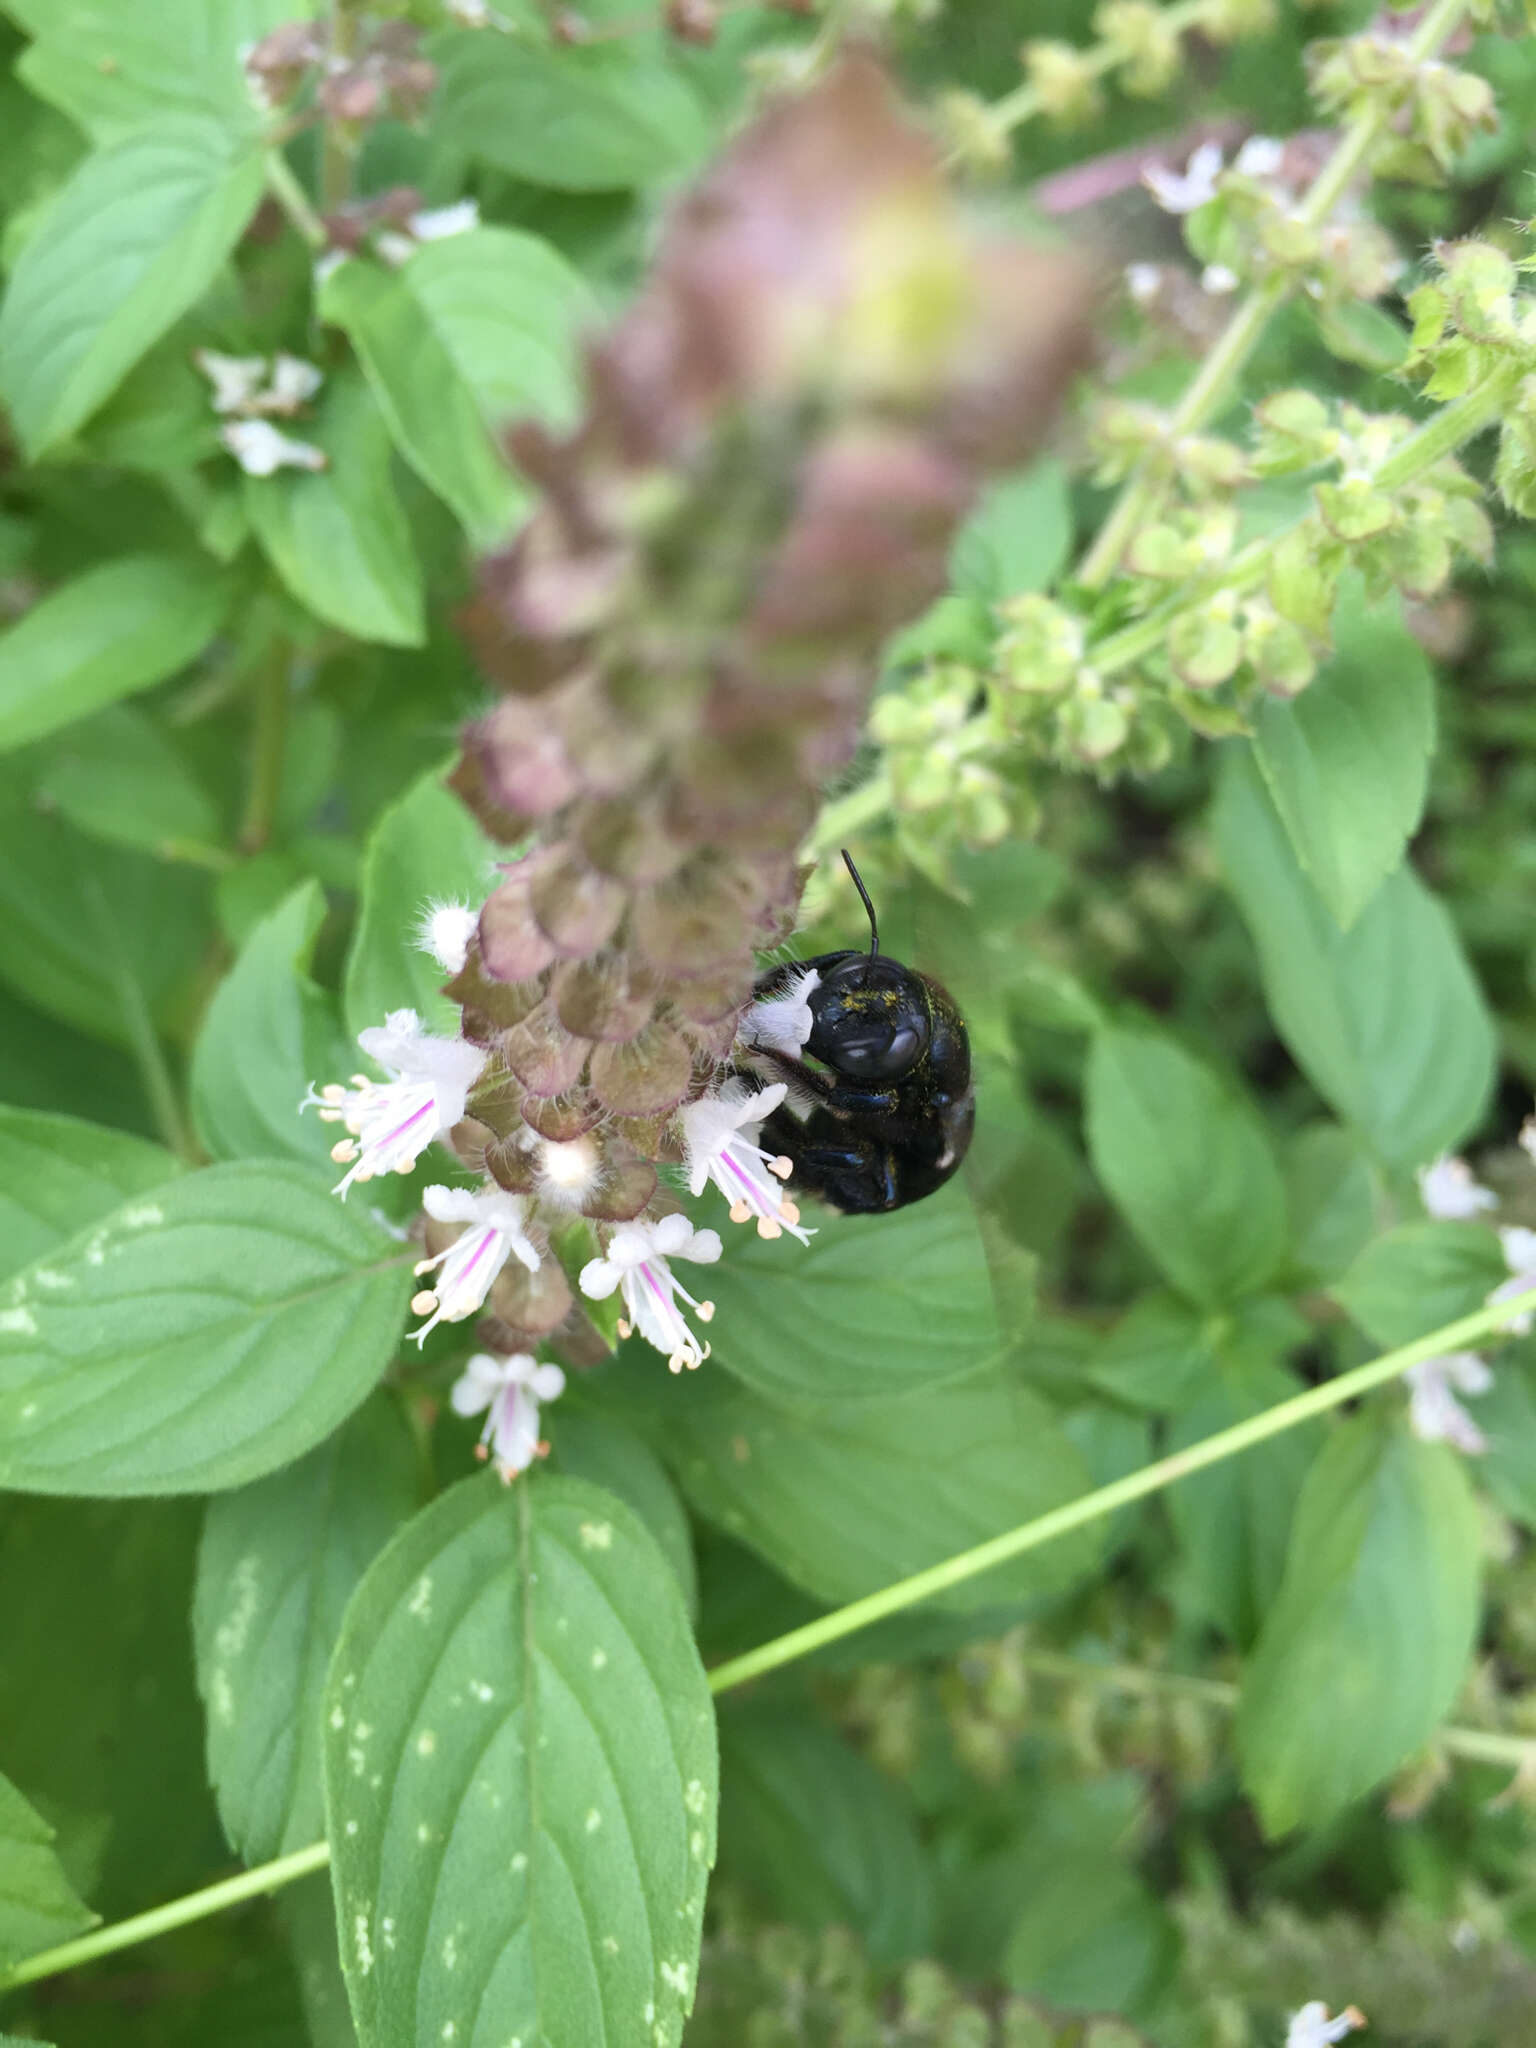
(430, 1078)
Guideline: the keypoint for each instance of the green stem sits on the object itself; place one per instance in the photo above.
(143, 1036)
(1093, 1507)
(939, 1578)
(338, 149)
(293, 199)
(268, 749)
(232, 1891)
(1223, 365)
(1024, 102)
(1474, 1745)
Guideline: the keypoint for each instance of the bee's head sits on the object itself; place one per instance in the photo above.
(871, 1019)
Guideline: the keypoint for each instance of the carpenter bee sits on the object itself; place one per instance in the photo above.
(877, 1060)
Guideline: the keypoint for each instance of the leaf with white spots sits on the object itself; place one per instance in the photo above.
(57, 1174)
(276, 1568)
(520, 1778)
(200, 1336)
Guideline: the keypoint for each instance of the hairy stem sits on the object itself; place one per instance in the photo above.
(845, 1621)
(1024, 102)
(1222, 367)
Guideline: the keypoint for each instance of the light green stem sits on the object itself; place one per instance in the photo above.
(293, 199)
(846, 1621)
(1024, 102)
(1093, 1507)
(1473, 1745)
(1221, 368)
(232, 1891)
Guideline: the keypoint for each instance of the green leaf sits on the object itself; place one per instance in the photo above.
(1331, 1193)
(269, 1032)
(509, 310)
(425, 849)
(1159, 1355)
(278, 1564)
(1234, 1519)
(844, 1498)
(1347, 762)
(136, 236)
(58, 1174)
(38, 1906)
(1385, 1019)
(875, 1306)
(819, 1836)
(118, 68)
(591, 117)
(91, 933)
(592, 1444)
(100, 1716)
(338, 537)
(1419, 1276)
(1188, 1163)
(116, 628)
(1506, 1415)
(117, 777)
(430, 410)
(309, 1920)
(1368, 1643)
(1018, 538)
(519, 1776)
(196, 1338)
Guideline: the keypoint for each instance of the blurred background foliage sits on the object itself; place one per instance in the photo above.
(989, 1823)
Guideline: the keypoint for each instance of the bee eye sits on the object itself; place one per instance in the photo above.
(878, 1054)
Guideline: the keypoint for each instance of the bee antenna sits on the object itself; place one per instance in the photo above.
(858, 883)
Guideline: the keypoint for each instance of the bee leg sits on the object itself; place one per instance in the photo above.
(855, 1175)
(843, 1098)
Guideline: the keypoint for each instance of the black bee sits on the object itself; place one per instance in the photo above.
(880, 1109)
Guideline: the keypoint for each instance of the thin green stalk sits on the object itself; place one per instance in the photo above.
(231, 1891)
(139, 1024)
(269, 744)
(1024, 102)
(1473, 1745)
(830, 1628)
(1221, 368)
(293, 199)
(1093, 1507)
(338, 149)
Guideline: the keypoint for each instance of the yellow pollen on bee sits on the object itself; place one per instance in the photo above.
(706, 1311)
(739, 1210)
(782, 1166)
(343, 1150)
(766, 1227)
(423, 1304)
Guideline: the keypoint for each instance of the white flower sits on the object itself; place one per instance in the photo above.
(469, 13)
(1436, 1414)
(1176, 194)
(512, 1389)
(260, 449)
(393, 1124)
(1218, 280)
(1312, 2028)
(1519, 1248)
(1260, 157)
(1143, 281)
(445, 931)
(293, 383)
(636, 1263)
(1450, 1194)
(235, 379)
(720, 1134)
(782, 1022)
(439, 222)
(568, 1170)
(476, 1256)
